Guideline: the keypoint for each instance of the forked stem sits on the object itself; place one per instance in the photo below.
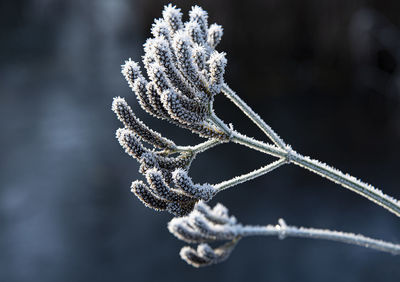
(231, 95)
(281, 150)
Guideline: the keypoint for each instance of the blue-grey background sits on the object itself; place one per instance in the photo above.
(324, 74)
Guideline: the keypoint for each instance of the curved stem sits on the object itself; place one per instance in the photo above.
(231, 95)
(248, 176)
(282, 230)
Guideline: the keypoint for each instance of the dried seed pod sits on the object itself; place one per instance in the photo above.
(160, 28)
(130, 142)
(206, 252)
(183, 181)
(210, 229)
(172, 101)
(171, 163)
(217, 63)
(183, 51)
(131, 122)
(158, 76)
(173, 17)
(205, 255)
(194, 31)
(197, 14)
(182, 230)
(131, 71)
(199, 56)
(148, 199)
(155, 101)
(164, 58)
(190, 255)
(208, 131)
(139, 87)
(160, 188)
(214, 36)
(180, 209)
(218, 215)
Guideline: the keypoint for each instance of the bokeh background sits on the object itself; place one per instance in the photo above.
(324, 74)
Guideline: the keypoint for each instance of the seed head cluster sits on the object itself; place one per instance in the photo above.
(202, 226)
(184, 72)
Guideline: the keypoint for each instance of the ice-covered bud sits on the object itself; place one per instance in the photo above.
(139, 87)
(194, 31)
(210, 229)
(164, 57)
(146, 197)
(206, 252)
(183, 51)
(217, 64)
(155, 101)
(205, 255)
(130, 142)
(173, 17)
(172, 163)
(131, 122)
(219, 214)
(131, 71)
(183, 181)
(199, 56)
(180, 228)
(180, 209)
(172, 102)
(197, 14)
(162, 190)
(160, 28)
(158, 76)
(214, 36)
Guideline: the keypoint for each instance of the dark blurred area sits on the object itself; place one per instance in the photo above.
(324, 74)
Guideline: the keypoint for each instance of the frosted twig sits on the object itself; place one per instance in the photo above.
(253, 116)
(248, 176)
(205, 225)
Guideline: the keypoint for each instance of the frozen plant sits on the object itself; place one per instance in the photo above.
(185, 72)
(205, 225)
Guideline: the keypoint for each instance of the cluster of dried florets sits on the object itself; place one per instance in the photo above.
(202, 226)
(184, 69)
(185, 74)
(169, 186)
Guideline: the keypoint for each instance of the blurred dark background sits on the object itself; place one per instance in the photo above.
(324, 74)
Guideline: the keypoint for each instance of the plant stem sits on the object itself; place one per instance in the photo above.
(282, 230)
(199, 148)
(345, 180)
(231, 95)
(248, 176)
(284, 151)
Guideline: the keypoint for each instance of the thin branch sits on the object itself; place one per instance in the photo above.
(231, 95)
(199, 148)
(347, 181)
(248, 176)
(366, 190)
(282, 230)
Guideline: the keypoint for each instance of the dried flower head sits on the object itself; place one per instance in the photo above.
(204, 225)
(184, 69)
(184, 72)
